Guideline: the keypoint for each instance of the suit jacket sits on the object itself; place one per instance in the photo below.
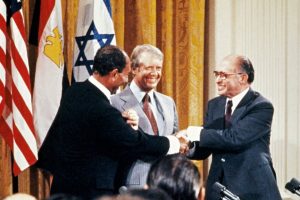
(241, 159)
(125, 100)
(87, 140)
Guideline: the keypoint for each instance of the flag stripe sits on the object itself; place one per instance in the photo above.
(2, 53)
(16, 168)
(24, 147)
(6, 131)
(19, 89)
(17, 20)
(3, 31)
(46, 8)
(2, 62)
(22, 108)
(21, 66)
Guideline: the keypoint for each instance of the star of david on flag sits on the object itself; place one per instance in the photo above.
(95, 29)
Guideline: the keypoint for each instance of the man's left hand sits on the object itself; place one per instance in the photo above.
(131, 118)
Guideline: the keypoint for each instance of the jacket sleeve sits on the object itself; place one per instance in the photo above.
(123, 141)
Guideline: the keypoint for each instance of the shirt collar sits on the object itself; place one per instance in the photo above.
(237, 99)
(100, 86)
(139, 93)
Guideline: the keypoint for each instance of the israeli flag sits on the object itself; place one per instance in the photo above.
(95, 29)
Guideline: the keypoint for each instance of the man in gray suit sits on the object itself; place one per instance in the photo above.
(147, 62)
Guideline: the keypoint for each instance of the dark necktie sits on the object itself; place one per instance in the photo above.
(148, 111)
(228, 114)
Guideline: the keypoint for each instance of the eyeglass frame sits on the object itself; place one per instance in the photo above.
(224, 75)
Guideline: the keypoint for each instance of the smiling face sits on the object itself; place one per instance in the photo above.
(148, 73)
(230, 78)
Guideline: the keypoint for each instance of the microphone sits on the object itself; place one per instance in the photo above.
(123, 189)
(225, 194)
(293, 186)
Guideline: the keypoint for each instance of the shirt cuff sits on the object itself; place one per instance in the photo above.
(174, 144)
(193, 133)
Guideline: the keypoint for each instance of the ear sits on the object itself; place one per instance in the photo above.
(113, 73)
(133, 71)
(244, 78)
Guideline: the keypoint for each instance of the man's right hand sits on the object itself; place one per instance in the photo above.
(184, 142)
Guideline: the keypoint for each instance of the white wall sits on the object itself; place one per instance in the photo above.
(268, 32)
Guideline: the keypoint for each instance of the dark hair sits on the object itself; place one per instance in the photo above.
(108, 58)
(247, 67)
(62, 196)
(176, 175)
(145, 194)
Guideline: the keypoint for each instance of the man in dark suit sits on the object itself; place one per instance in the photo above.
(89, 137)
(236, 132)
(147, 63)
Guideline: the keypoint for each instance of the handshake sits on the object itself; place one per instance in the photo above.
(185, 142)
(186, 137)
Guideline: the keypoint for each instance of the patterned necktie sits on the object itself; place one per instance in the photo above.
(148, 111)
(228, 114)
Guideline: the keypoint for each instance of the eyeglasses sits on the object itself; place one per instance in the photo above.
(155, 68)
(224, 75)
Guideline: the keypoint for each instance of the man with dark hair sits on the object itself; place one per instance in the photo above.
(89, 137)
(177, 176)
(236, 131)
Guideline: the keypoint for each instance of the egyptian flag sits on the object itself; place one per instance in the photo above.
(49, 67)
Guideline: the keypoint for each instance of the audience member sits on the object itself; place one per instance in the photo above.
(145, 194)
(61, 196)
(147, 63)
(140, 194)
(20, 196)
(177, 176)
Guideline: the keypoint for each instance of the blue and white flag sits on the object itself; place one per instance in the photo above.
(95, 29)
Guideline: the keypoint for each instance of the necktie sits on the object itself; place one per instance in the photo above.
(228, 114)
(148, 111)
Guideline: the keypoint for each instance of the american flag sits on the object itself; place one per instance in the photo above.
(16, 122)
(2, 52)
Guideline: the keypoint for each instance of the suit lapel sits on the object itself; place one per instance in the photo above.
(218, 112)
(163, 110)
(242, 106)
(130, 102)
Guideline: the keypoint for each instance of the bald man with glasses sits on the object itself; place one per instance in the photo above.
(236, 132)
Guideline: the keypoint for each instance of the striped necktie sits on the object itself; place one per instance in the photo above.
(148, 111)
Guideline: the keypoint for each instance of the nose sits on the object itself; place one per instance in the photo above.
(218, 79)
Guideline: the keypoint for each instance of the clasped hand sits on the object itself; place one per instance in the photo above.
(131, 118)
(184, 141)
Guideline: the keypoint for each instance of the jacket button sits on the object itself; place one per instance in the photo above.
(223, 160)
